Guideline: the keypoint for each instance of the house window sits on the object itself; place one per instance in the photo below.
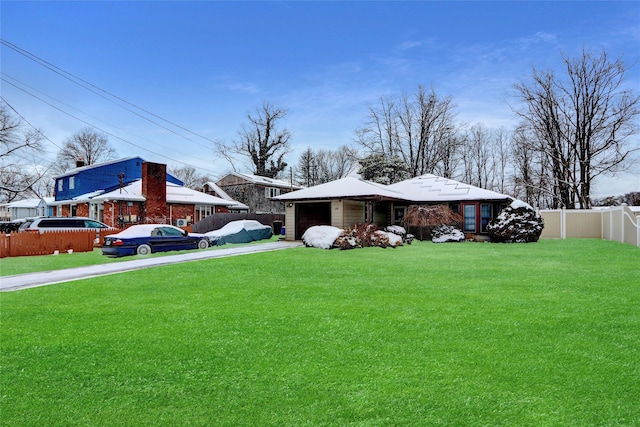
(485, 216)
(72, 182)
(398, 214)
(469, 218)
(60, 184)
(270, 192)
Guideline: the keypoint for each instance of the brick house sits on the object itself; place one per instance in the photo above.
(131, 191)
(257, 192)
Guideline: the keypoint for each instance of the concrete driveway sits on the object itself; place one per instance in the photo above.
(31, 280)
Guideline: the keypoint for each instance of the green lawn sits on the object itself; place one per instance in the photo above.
(469, 334)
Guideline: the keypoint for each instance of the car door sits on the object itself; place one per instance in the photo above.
(174, 239)
(156, 240)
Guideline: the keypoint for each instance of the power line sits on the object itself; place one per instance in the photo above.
(100, 129)
(99, 91)
(5, 75)
(27, 122)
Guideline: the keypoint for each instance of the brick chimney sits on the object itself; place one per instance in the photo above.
(154, 189)
(79, 162)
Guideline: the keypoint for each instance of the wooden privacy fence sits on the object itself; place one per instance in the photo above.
(27, 243)
(218, 220)
(618, 223)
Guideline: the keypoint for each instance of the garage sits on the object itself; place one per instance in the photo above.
(310, 214)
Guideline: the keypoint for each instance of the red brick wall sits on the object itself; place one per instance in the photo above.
(112, 210)
(182, 211)
(82, 209)
(154, 189)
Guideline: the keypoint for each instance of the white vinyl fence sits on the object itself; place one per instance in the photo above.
(618, 223)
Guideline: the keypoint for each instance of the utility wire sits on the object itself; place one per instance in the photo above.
(100, 129)
(5, 75)
(99, 91)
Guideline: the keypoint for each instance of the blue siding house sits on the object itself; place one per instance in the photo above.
(106, 176)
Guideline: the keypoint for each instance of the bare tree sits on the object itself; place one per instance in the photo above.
(477, 157)
(379, 135)
(318, 167)
(260, 142)
(532, 181)
(415, 128)
(581, 123)
(190, 177)
(502, 158)
(452, 144)
(87, 146)
(19, 171)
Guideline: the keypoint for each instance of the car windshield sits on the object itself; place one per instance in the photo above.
(25, 224)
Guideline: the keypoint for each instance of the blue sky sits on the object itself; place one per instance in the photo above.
(206, 65)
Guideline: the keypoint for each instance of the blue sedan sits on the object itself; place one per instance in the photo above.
(147, 238)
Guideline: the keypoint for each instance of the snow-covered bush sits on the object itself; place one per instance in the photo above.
(517, 223)
(321, 236)
(365, 235)
(326, 237)
(446, 233)
(400, 231)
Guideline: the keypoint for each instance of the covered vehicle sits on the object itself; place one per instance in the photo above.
(243, 231)
(147, 238)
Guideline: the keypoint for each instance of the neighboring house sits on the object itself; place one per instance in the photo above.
(350, 201)
(131, 191)
(26, 208)
(105, 176)
(213, 189)
(257, 192)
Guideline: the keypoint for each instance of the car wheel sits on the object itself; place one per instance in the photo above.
(143, 250)
(203, 244)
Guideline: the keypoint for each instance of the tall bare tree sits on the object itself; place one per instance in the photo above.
(87, 146)
(477, 157)
(532, 181)
(190, 177)
(318, 167)
(414, 128)
(260, 142)
(379, 135)
(581, 123)
(19, 172)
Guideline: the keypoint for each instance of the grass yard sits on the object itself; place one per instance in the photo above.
(469, 334)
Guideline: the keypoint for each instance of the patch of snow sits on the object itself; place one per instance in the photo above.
(520, 204)
(321, 236)
(453, 237)
(394, 239)
(144, 230)
(234, 227)
(396, 229)
(446, 233)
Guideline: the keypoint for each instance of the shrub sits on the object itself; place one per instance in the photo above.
(446, 233)
(517, 223)
(428, 217)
